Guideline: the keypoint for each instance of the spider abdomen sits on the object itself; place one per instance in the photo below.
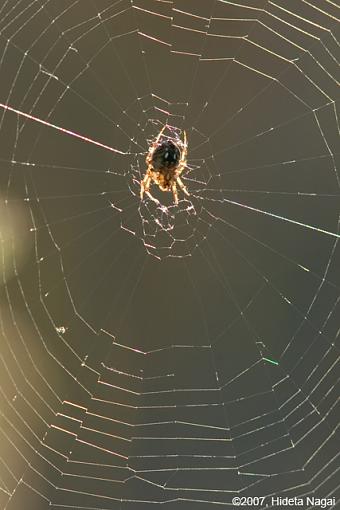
(166, 156)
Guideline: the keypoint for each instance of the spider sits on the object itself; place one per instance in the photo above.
(166, 161)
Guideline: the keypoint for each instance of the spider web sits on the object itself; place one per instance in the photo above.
(153, 354)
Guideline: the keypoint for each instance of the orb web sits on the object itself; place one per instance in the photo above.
(153, 354)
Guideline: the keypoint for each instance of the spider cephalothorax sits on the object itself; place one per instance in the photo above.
(166, 161)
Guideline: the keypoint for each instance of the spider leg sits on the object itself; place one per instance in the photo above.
(174, 192)
(182, 186)
(148, 194)
(185, 149)
(183, 161)
(145, 187)
(159, 135)
(185, 143)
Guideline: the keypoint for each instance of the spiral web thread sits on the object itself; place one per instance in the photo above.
(91, 421)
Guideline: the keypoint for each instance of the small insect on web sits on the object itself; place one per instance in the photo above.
(166, 161)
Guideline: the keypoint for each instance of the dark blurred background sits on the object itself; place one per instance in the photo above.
(176, 356)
